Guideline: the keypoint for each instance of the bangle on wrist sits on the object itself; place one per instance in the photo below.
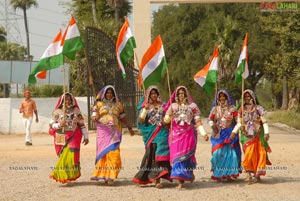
(143, 113)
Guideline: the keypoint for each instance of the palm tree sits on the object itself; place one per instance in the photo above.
(2, 34)
(9, 51)
(224, 40)
(24, 5)
(94, 10)
(120, 7)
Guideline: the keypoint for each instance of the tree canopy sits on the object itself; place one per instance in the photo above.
(194, 30)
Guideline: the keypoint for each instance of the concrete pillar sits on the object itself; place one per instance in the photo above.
(142, 27)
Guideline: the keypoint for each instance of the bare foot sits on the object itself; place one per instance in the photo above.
(110, 182)
(159, 185)
(193, 178)
(248, 178)
(257, 179)
(180, 185)
(229, 179)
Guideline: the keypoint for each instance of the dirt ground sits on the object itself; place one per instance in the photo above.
(25, 170)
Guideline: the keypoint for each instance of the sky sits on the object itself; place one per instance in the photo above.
(44, 24)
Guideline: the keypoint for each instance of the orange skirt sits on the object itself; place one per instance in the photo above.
(255, 157)
(108, 167)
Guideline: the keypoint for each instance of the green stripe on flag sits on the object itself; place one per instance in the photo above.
(211, 79)
(155, 77)
(71, 46)
(127, 51)
(47, 63)
(240, 70)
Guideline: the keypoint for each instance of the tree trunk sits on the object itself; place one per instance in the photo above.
(298, 107)
(285, 97)
(94, 10)
(116, 12)
(27, 34)
(277, 101)
(292, 99)
(277, 98)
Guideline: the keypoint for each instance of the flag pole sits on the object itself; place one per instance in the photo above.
(216, 94)
(171, 125)
(243, 81)
(64, 96)
(91, 80)
(216, 84)
(138, 64)
(216, 90)
(168, 77)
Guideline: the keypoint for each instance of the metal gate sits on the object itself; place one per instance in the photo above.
(103, 70)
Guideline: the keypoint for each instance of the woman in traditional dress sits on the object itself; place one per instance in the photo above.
(184, 116)
(254, 136)
(155, 164)
(67, 126)
(108, 113)
(226, 152)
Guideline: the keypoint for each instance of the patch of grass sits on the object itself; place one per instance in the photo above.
(290, 118)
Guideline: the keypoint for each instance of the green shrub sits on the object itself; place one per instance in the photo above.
(290, 118)
(45, 90)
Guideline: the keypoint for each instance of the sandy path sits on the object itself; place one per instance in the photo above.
(24, 173)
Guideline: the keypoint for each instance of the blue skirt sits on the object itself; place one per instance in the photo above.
(183, 170)
(226, 157)
(224, 163)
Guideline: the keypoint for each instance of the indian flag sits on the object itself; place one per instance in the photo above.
(72, 41)
(124, 46)
(207, 76)
(153, 65)
(52, 58)
(242, 67)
